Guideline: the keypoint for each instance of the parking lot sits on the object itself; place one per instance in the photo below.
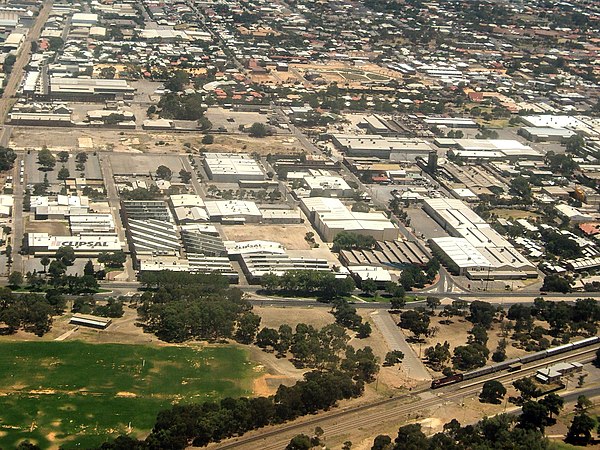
(230, 120)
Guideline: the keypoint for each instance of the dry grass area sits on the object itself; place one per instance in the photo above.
(273, 316)
(456, 333)
(514, 214)
(246, 144)
(290, 236)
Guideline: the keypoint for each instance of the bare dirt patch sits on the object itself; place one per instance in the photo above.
(52, 227)
(290, 236)
(274, 316)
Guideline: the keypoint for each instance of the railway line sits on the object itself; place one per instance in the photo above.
(346, 420)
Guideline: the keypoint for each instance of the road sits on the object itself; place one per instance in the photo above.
(341, 422)
(395, 340)
(17, 225)
(16, 75)
(115, 205)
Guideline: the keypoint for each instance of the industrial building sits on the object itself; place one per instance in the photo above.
(145, 209)
(327, 186)
(330, 217)
(64, 206)
(191, 264)
(89, 89)
(489, 149)
(84, 245)
(91, 223)
(475, 249)
(545, 134)
(394, 254)
(394, 148)
(87, 320)
(233, 211)
(197, 242)
(232, 167)
(155, 237)
(255, 265)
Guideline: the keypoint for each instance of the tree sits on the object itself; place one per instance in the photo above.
(300, 442)
(433, 302)
(410, 437)
(583, 404)
(556, 283)
(164, 173)
(81, 157)
(177, 81)
(63, 173)
(437, 356)
(520, 187)
(63, 157)
(534, 416)
(492, 392)
(185, 176)
(392, 358)
(397, 302)
(482, 313)
(113, 259)
(258, 130)
(352, 241)
(44, 261)
(472, 356)
(580, 431)
(7, 158)
(66, 255)
(208, 139)
(527, 388)
(46, 159)
(247, 327)
(267, 337)
(382, 442)
(415, 320)
(89, 268)
(368, 286)
(15, 279)
(553, 403)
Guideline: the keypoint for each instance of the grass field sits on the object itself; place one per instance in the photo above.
(76, 394)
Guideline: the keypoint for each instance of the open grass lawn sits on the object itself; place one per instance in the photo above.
(76, 394)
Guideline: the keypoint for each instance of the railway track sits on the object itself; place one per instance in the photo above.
(349, 419)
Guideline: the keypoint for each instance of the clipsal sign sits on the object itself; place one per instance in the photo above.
(80, 244)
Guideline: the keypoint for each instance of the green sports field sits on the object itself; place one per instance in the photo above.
(76, 394)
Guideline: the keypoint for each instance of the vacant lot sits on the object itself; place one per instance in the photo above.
(74, 394)
(514, 214)
(290, 236)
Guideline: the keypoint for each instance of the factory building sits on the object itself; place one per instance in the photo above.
(191, 264)
(90, 245)
(145, 209)
(232, 167)
(330, 217)
(233, 211)
(474, 248)
(255, 265)
(489, 149)
(327, 186)
(154, 237)
(64, 206)
(197, 242)
(89, 89)
(393, 148)
(91, 223)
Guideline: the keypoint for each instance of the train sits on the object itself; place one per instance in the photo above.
(513, 364)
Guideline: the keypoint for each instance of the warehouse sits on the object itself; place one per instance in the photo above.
(43, 208)
(83, 245)
(193, 264)
(197, 242)
(154, 237)
(396, 254)
(233, 211)
(232, 167)
(451, 122)
(489, 149)
(475, 250)
(394, 148)
(330, 217)
(86, 320)
(91, 223)
(145, 209)
(255, 265)
(545, 134)
(89, 89)
(327, 186)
